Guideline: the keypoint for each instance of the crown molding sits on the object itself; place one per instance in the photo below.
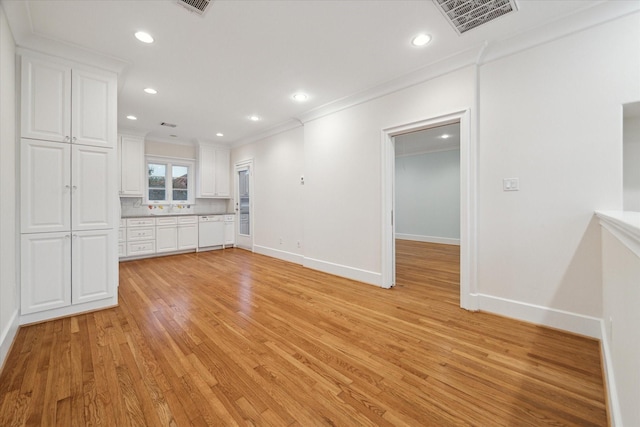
(274, 130)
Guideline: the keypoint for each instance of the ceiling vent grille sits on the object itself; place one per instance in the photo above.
(466, 15)
(196, 6)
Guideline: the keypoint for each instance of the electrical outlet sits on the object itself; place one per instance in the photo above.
(280, 240)
(299, 245)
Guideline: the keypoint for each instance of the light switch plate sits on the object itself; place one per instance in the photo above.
(510, 184)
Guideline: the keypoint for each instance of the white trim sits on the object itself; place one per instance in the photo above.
(7, 337)
(559, 319)
(275, 130)
(276, 253)
(70, 310)
(352, 273)
(624, 225)
(428, 239)
(615, 415)
(468, 212)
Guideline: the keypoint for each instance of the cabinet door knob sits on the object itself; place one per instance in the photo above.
(66, 138)
(74, 139)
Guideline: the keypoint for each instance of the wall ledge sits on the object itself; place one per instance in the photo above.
(624, 225)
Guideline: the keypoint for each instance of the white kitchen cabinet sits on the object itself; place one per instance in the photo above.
(66, 187)
(132, 166)
(166, 234)
(45, 271)
(66, 102)
(93, 274)
(213, 172)
(187, 232)
(93, 188)
(61, 269)
(45, 178)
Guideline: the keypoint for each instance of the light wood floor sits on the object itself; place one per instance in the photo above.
(232, 338)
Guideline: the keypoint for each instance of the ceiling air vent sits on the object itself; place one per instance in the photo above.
(196, 6)
(466, 15)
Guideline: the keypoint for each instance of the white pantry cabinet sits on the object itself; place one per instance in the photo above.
(60, 269)
(45, 178)
(64, 102)
(132, 166)
(213, 172)
(93, 274)
(66, 187)
(45, 271)
(69, 188)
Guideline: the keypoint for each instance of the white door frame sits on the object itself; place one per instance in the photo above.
(468, 204)
(244, 164)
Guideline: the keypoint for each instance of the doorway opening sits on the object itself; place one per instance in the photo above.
(244, 204)
(467, 201)
(427, 209)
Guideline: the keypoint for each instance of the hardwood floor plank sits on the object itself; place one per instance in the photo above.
(234, 338)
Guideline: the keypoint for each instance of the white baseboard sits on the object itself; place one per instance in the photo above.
(615, 415)
(7, 337)
(352, 273)
(428, 239)
(276, 253)
(545, 316)
(72, 310)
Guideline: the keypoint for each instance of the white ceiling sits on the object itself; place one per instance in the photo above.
(441, 138)
(248, 57)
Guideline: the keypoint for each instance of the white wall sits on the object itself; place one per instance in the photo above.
(9, 301)
(343, 167)
(552, 116)
(621, 274)
(428, 196)
(631, 130)
(278, 195)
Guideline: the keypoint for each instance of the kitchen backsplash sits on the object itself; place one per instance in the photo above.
(130, 206)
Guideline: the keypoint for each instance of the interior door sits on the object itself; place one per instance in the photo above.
(244, 204)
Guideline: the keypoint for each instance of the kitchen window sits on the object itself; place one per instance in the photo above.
(170, 181)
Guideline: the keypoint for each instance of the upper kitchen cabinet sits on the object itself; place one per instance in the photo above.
(132, 166)
(213, 172)
(64, 102)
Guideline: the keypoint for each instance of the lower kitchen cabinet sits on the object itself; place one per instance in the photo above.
(67, 268)
(166, 238)
(187, 233)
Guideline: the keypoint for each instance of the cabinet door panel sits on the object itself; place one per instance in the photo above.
(45, 186)
(188, 236)
(94, 191)
(46, 100)
(94, 109)
(206, 174)
(222, 173)
(132, 166)
(166, 238)
(94, 265)
(45, 271)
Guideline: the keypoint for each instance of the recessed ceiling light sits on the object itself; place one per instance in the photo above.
(421, 40)
(144, 37)
(219, 134)
(132, 118)
(151, 91)
(300, 97)
(254, 118)
(445, 136)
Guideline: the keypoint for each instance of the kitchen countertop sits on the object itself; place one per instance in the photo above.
(175, 214)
